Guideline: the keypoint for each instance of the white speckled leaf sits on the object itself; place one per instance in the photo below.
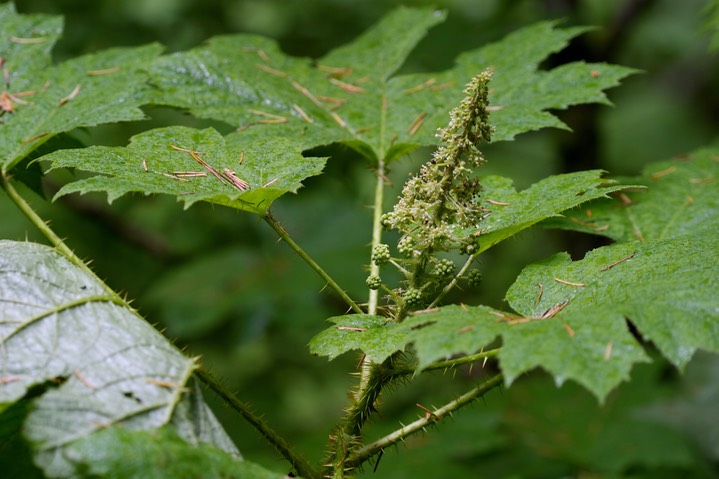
(97, 363)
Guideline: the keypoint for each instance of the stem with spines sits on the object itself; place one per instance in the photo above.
(297, 462)
(364, 453)
(275, 225)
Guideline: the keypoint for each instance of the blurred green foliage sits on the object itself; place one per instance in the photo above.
(221, 284)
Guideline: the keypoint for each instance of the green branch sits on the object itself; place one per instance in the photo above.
(55, 240)
(275, 225)
(376, 231)
(448, 364)
(299, 463)
(374, 268)
(364, 453)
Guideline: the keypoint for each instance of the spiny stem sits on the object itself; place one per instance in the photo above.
(55, 240)
(450, 363)
(364, 453)
(299, 463)
(275, 225)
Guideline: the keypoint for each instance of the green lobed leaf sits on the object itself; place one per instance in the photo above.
(510, 212)
(520, 93)
(436, 334)
(666, 288)
(42, 100)
(159, 454)
(97, 363)
(571, 318)
(374, 335)
(681, 197)
(246, 81)
(353, 95)
(152, 163)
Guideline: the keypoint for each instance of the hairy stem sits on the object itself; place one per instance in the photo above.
(299, 463)
(347, 436)
(55, 240)
(364, 453)
(448, 364)
(275, 225)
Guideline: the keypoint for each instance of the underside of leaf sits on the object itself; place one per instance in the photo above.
(95, 362)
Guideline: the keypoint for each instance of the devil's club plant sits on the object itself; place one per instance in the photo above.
(86, 383)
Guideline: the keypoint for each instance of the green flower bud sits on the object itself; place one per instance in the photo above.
(380, 254)
(444, 268)
(373, 281)
(474, 277)
(412, 296)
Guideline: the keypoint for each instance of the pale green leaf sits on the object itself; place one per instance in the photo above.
(510, 212)
(681, 197)
(158, 454)
(374, 335)
(353, 95)
(43, 100)
(96, 362)
(152, 163)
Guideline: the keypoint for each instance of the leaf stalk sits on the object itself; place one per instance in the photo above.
(275, 225)
(54, 239)
(299, 463)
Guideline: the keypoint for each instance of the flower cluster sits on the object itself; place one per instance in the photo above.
(437, 205)
(443, 198)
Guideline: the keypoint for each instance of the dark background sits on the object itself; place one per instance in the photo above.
(220, 284)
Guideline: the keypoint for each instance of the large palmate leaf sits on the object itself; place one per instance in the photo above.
(40, 100)
(353, 94)
(194, 165)
(569, 317)
(681, 197)
(87, 363)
